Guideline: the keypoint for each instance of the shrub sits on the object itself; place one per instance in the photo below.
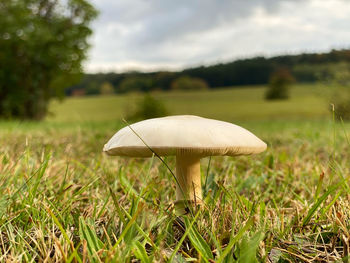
(341, 103)
(147, 108)
(279, 83)
(340, 96)
(189, 83)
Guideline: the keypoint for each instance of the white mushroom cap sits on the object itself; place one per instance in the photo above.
(184, 134)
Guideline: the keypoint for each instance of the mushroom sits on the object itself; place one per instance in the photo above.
(189, 138)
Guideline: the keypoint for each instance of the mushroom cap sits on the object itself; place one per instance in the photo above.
(183, 134)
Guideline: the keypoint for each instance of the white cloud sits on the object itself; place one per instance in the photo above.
(153, 34)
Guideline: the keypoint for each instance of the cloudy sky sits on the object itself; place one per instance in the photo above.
(173, 34)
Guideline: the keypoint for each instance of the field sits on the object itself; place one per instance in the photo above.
(62, 200)
(307, 102)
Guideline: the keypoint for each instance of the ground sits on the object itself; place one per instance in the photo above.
(64, 200)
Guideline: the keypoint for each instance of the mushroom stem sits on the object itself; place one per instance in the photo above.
(188, 188)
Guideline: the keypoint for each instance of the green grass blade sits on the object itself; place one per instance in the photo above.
(117, 206)
(324, 211)
(198, 241)
(94, 244)
(128, 226)
(64, 233)
(40, 174)
(249, 247)
(140, 252)
(141, 230)
(319, 185)
(74, 255)
(188, 229)
(318, 203)
(234, 240)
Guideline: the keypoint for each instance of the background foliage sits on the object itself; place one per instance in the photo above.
(305, 68)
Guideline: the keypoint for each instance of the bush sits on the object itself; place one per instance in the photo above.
(189, 83)
(279, 83)
(340, 97)
(148, 108)
(342, 105)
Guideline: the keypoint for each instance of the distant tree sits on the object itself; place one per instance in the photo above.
(164, 79)
(148, 107)
(92, 88)
(42, 45)
(189, 83)
(106, 88)
(137, 83)
(279, 83)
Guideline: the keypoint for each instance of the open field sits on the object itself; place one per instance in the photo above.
(63, 200)
(234, 104)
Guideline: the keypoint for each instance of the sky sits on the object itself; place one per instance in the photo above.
(150, 35)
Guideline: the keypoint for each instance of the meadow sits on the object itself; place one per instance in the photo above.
(63, 200)
(229, 104)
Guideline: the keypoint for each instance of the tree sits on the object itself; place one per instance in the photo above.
(42, 45)
(189, 83)
(279, 83)
(92, 88)
(163, 79)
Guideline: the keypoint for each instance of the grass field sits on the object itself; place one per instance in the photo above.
(62, 200)
(234, 104)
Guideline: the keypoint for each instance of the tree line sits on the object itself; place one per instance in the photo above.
(305, 68)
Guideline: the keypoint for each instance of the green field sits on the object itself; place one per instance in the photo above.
(231, 104)
(63, 200)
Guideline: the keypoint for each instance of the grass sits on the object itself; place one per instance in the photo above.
(62, 200)
(225, 104)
